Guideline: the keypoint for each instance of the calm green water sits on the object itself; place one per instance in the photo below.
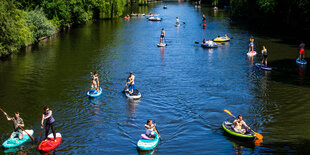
(185, 88)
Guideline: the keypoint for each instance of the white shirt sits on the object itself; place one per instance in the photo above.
(149, 131)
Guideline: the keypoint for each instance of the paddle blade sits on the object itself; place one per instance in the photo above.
(258, 135)
(228, 112)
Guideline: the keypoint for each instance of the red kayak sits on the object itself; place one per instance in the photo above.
(49, 144)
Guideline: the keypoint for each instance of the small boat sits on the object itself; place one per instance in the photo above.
(133, 96)
(263, 67)
(155, 18)
(251, 53)
(135, 14)
(161, 44)
(301, 62)
(177, 24)
(49, 144)
(94, 93)
(209, 46)
(222, 39)
(126, 18)
(165, 7)
(228, 128)
(14, 142)
(145, 143)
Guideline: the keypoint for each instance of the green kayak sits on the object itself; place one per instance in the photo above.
(227, 126)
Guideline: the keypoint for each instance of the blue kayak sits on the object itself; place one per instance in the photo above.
(147, 144)
(263, 67)
(94, 93)
(209, 46)
(302, 62)
(9, 143)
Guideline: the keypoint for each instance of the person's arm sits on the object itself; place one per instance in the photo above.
(148, 127)
(98, 81)
(21, 124)
(235, 121)
(7, 117)
(245, 125)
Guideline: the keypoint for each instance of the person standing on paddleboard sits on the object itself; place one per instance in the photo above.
(265, 56)
(177, 21)
(302, 50)
(150, 129)
(251, 45)
(17, 121)
(238, 125)
(50, 122)
(130, 84)
(95, 81)
(162, 36)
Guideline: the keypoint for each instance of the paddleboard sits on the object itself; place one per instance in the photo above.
(177, 25)
(251, 53)
(161, 45)
(132, 96)
(49, 144)
(16, 141)
(259, 65)
(147, 144)
(301, 62)
(94, 93)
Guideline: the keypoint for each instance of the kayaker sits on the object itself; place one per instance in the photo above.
(150, 129)
(95, 81)
(226, 37)
(130, 84)
(17, 121)
(302, 51)
(265, 56)
(50, 122)
(177, 21)
(204, 41)
(162, 36)
(238, 125)
(251, 45)
(203, 18)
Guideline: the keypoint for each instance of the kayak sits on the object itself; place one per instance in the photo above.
(251, 53)
(259, 65)
(222, 39)
(146, 143)
(155, 19)
(227, 127)
(301, 62)
(49, 144)
(177, 25)
(16, 141)
(134, 96)
(209, 46)
(161, 44)
(94, 93)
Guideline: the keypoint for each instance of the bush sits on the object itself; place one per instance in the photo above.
(38, 24)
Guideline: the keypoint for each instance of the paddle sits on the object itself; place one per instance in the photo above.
(156, 129)
(40, 136)
(19, 126)
(258, 135)
(197, 42)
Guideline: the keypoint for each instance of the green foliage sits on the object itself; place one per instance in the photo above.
(14, 31)
(38, 24)
(267, 6)
(58, 11)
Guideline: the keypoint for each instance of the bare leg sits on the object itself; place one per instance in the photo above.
(266, 61)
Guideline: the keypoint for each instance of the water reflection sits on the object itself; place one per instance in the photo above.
(131, 108)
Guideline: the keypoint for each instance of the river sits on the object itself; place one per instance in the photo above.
(185, 88)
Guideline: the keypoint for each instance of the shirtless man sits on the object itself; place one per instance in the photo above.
(130, 84)
(238, 125)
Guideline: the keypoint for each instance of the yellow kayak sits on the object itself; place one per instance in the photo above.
(221, 39)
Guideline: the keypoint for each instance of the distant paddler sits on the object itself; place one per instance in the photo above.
(302, 50)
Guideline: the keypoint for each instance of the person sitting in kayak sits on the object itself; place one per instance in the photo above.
(95, 81)
(210, 42)
(238, 125)
(177, 21)
(251, 45)
(150, 129)
(130, 84)
(50, 122)
(265, 56)
(302, 51)
(203, 18)
(226, 37)
(162, 36)
(17, 121)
